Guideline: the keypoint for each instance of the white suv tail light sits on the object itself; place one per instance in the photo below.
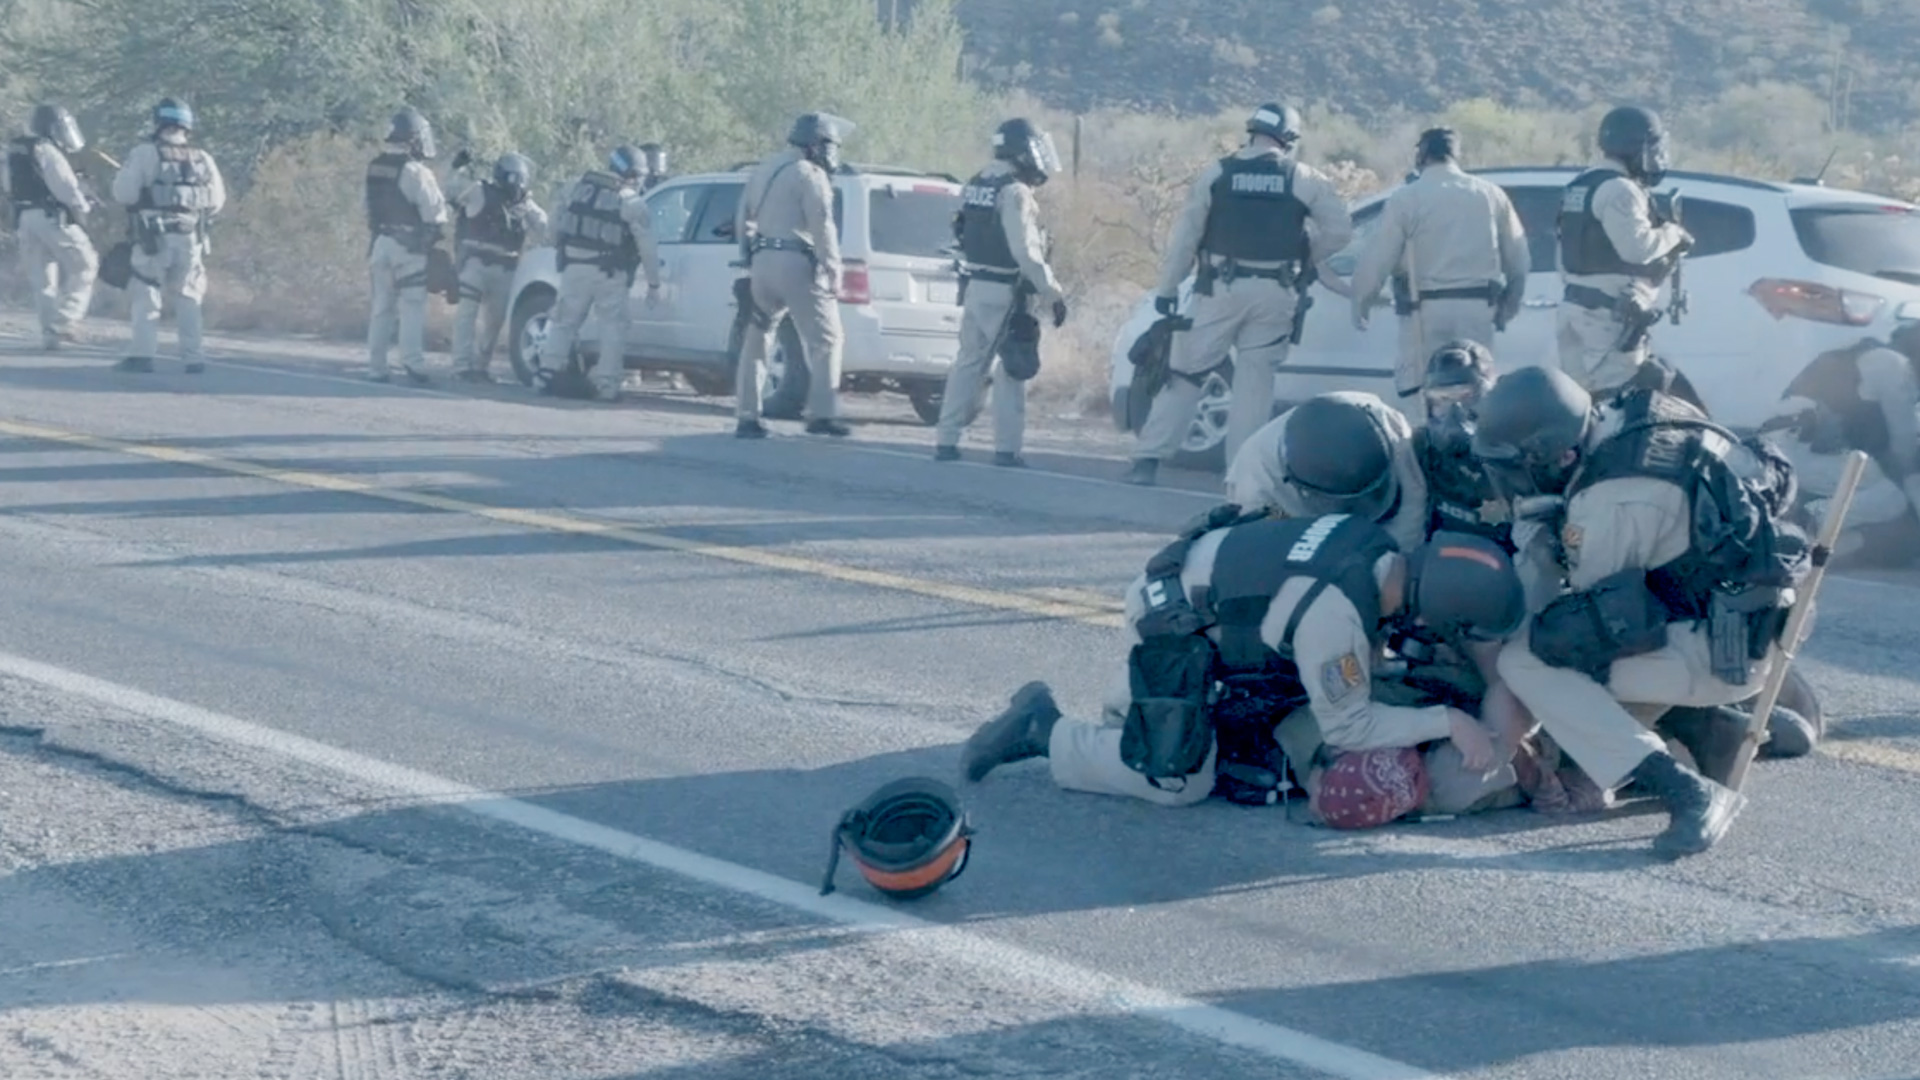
(1812, 300)
(855, 286)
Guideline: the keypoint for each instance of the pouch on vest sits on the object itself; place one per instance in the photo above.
(1167, 734)
(1588, 631)
(1020, 347)
(116, 266)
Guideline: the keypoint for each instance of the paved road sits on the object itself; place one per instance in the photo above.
(503, 736)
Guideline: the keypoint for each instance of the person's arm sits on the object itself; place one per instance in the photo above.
(1627, 216)
(639, 219)
(419, 187)
(134, 175)
(1381, 256)
(1332, 225)
(1020, 218)
(61, 183)
(816, 210)
(1183, 245)
(539, 229)
(1336, 666)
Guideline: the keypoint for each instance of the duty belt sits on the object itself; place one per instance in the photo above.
(771, 243)
(1286, 273)
(1587, 296)
(52, 206)
(1485, 292)
(997, 277)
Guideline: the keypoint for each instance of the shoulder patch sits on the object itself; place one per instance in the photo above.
(1341, 677)
(1570, 537)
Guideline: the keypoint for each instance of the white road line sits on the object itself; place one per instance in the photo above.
(1006, 961)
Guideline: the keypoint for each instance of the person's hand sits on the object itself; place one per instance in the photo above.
(1166, 305)
(1475, 746)
(1059, 314)
(462, 159)
(1685, 245)
(1361, 319)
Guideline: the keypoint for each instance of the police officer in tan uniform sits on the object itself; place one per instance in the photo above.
(1245, 229)
(792, 246)
(498, 220)
(405, 212)
(603, 238)
(1301, 603)
(1615, 253)
(48, 206)
(1002, 249)
(1344, 452)
(172, 190)
(1457, 255)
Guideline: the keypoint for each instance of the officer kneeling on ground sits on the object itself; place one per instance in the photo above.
(1344, 452)
(1248, 623)
(1678, 570)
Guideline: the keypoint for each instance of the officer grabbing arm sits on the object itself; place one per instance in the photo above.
(1344, 452)
(1456, 252)
(603, 237)
(406, 212)
(498, 220)
(792, 245)
(1614, 255)
(1244, 235)
(48, 206)
(1004, 255)
(173, 190)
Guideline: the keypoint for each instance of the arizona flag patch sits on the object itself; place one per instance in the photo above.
(1341, 677)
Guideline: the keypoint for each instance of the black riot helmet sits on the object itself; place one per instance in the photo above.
(1527, 423)
(627, 162)
(56, 125)
(907, 839)
(1635, 138)
(821, 135)
(1462, 586)
(1281, 123)
(654, 157)
(410, 129)
(1458, 375)
(172, 113)
(513, 175)
(1028, 149)
(1338, 458)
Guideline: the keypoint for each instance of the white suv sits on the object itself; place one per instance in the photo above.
(1780, 273)
(897, 302)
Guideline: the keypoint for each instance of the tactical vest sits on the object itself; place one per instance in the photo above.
(1585, 247)
(1663, 438)
(983, 239)
(591, 222)
(1457, 489)
(1255, 216)
(29, 189)
(182, 184)
(501, 234)
(389, 211)
(1832, 381)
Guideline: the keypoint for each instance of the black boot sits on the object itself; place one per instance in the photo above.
(828, 427)
(1145, 472)
(1009, 461)
(749, 429)
(1700, 809)
(141, 364)
(1789, 735)
(1017, 734)
(1712, 735)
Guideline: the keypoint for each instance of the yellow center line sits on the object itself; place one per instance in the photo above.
(1074, 607)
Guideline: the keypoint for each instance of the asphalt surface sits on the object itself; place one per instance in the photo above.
(257, 618)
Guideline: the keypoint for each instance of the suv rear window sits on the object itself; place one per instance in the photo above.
(909, 222)
(1879, 240)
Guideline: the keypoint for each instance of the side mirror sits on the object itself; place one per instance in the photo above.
(1908, 312)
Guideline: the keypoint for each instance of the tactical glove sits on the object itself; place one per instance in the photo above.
(462, 159)
(1059, 314)
(1166, 305)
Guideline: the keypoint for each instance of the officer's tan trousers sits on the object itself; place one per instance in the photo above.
(586, 289)
(1253, 317)
(177, 271)
(484, 291)
(399, 303)
(1587, 355)
(984, 319)
(784, 284)
(60, 263)
(1433, 325)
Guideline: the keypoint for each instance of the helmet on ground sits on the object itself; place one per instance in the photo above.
(1281, 123)
(1338, 458)
(1028, 149)
(1462, 586)
(1368, 788)
(1635, 138)
(1524, 428)
(821, 135)
(1458, 376)
(908, 838)
(56, 125)
(513, 174)
(410, 128)
(1437, 144)
(172, 112)
(627, 161)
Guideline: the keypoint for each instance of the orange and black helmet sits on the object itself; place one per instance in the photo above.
(908, 838)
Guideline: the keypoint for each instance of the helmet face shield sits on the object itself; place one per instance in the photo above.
(1370, 503)
(423, 144)
(57, 126)
(655, 159)
(1045, 156)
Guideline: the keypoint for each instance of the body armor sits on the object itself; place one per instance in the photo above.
(1457, 489)
(1584, 245)
(389, 211)
(591, 221)
(29, 188)
(495, 235)
(183, 184)
(983, 239)
(1255, 216)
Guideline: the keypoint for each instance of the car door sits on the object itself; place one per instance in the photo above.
(655, 330)
(706, 299)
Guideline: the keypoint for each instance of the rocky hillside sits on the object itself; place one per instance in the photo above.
(1366, 56)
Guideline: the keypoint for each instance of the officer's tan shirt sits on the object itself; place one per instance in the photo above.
(419, 187)
(142, 167)
(791, 198)
(1625, 210)
(57, 172)
(1333, 653)
(1257, 476)
(472, 201)
(1448, 230)
(1020, 217)
(1329, 226)
(1632, 522)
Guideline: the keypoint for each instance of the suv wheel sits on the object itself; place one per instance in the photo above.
(527, 333)
(1205, 447)
(783, 395)
(927, 397)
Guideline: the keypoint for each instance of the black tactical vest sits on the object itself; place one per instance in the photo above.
(29, 188)
(591, 222)
(1832, 381)
(388, 208)
(1257, 558)
(1457, 489)
(494, 227)
(983, 239)
(1585, 247)
(1255, 216)
(182, 185)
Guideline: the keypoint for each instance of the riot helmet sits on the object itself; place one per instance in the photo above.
(821, 135)
(172, 113)
(654, 157)
(907, 839)
(1028, 149)
(1435, 145)
(56, 125)
(1281, 123)
(1527, 424)
(1635, 138)
(1338, 458)
(410, 129)
(627, 162)
(1458, 375)
(513, 175)
(1463, 587)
